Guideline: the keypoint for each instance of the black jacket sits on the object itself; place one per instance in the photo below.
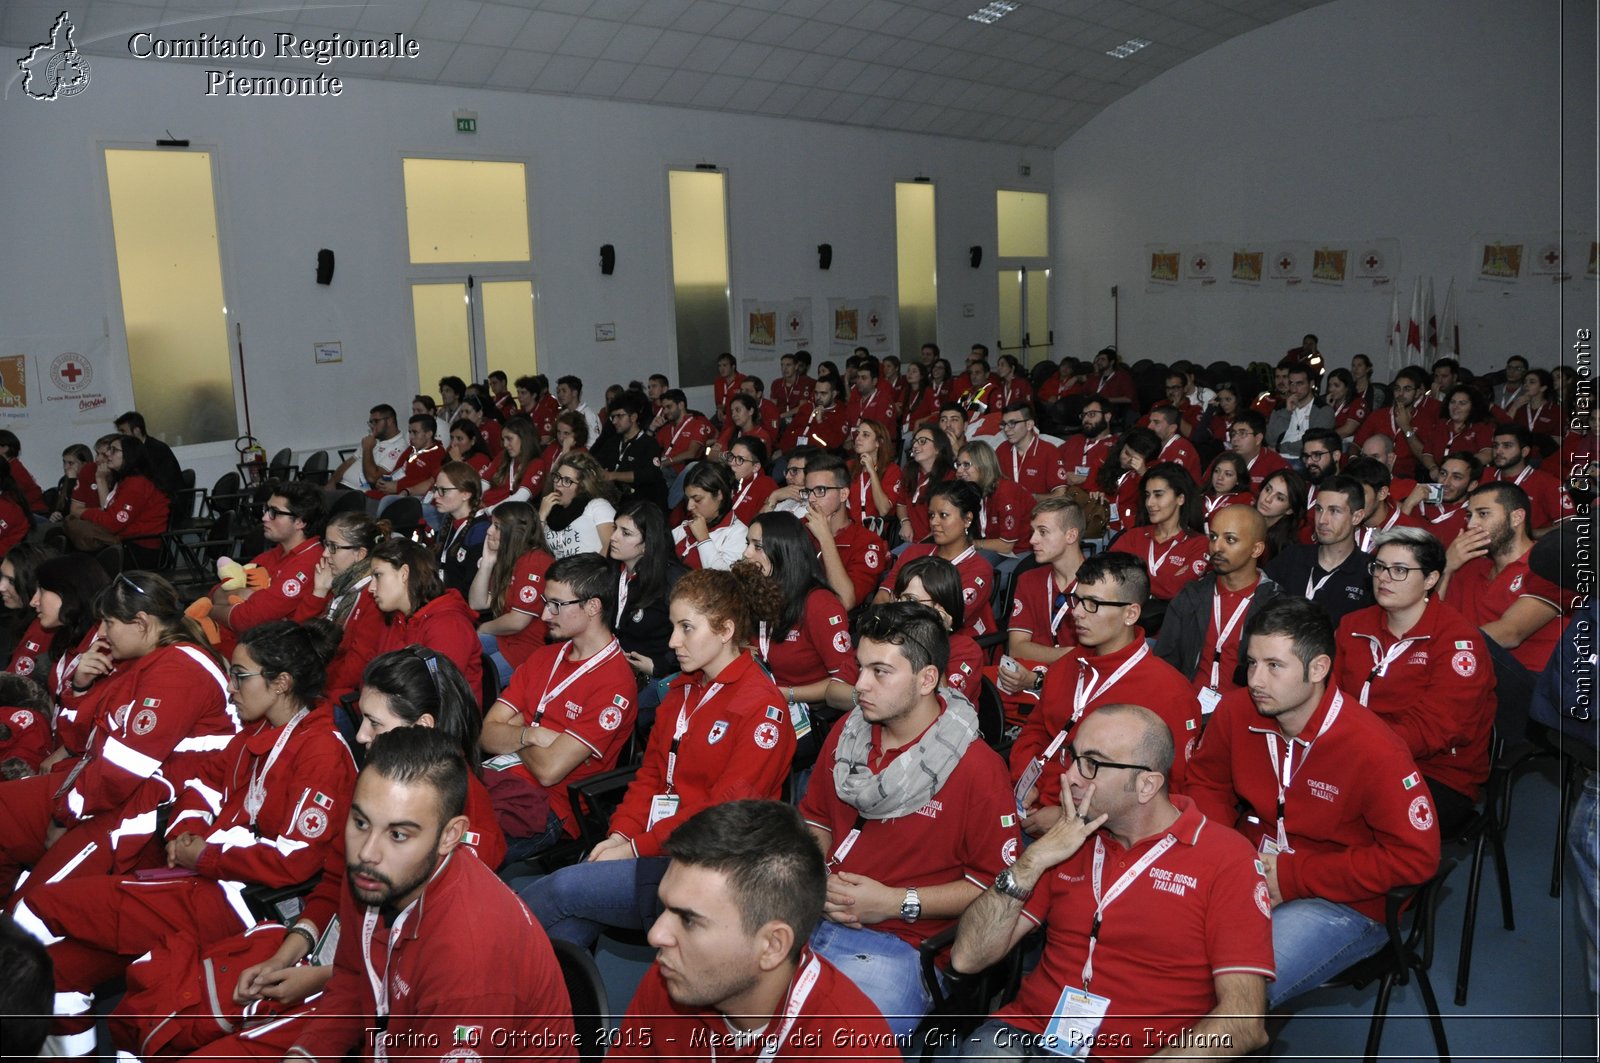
(1183, 630)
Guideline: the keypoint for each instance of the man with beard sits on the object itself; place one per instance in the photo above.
(466, 971)
(733, 972)
(1508, 463)
(1203, 632)
(1334, 803)
(1082, 455)
(1459, 473)
(1302, 411)
(1332, 573)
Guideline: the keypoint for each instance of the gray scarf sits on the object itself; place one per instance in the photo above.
(911, 780)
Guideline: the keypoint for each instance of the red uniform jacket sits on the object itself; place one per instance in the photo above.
(724, 388)
(445, 625)
(691, 431)
(1178, 449)
(817, 427)
(30, 738)
(977, 584)
(14, 525)
(1040, 470)
(788, 396)
(817, 648)
(864, 555)
(738, 743)
(1548, 502)
(1357, 816)
(465, 970)
(135, 511)
(751, 495)
(1005, 513)
(420, 467)
(1171, 564)
(161, 714)
(1435, 687)
(308, 786)
(30, 648)
(30, 486)
(882, 405)
(525, 594)
(291, 574)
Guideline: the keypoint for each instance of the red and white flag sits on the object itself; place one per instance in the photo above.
(1449, 327)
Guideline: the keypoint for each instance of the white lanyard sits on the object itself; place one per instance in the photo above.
(685, 714)
(866, 486)
(622, 590)
(1368, 535)
(1081, 696)
(804, 983)
(1381, 662)
(552, 692)
(1284, 774)
(1445, 512)
(1050, 596)
(1531, 414)
(738, 499)
(380, 986)
(683, 426)
(1016, 463)
(1155, 562)
(764, 639)
(1223, 632)
(983, 516)
(1313, 589)
(255, 794)
(1126, 879)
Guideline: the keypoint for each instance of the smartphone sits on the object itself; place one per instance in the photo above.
(1435, 494)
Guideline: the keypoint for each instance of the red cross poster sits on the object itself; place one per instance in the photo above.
(774, 327)
(1375, 265)
(73, 384)
(1290, 263)
(856, 323)
(1204, 263)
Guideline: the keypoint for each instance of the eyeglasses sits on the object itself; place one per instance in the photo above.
(331, 547)
(1398, 573)
(817, 492)
(798, 470)
(237, 676)
(1090, 605)
(1089, 767)
(913, 598)
(739, 459)
(439, 488)
(562, 480)
(556, 604)
(922, 441)
(1015, 423)
(273, 512)
(963, 464)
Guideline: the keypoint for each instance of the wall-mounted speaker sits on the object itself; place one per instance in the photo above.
(324, 266)
(608, 259)
(976, 254)
(824, 255)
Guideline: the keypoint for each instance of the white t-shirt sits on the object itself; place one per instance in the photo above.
(387, 453)
(582, 535)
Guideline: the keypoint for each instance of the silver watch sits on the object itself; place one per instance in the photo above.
(911, 907)
(1006, 882)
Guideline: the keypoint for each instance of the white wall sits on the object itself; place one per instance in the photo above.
(297, 175)
(1427, 121)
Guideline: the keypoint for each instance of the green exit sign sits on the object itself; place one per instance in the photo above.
(466, 125)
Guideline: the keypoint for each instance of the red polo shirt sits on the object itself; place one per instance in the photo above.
(1039, 468)
(1482, 596)
(1172, 564)
(977, 584)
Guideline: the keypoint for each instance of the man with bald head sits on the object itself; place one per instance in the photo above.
(1185, 951)
(1201, 634)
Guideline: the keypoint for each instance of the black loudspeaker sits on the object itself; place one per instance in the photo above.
(824, 255)
(976, 253)
(608, 259)
(324, 266)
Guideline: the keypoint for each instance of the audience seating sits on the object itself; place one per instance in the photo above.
(591, 1010)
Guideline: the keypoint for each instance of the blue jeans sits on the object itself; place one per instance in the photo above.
(886, 969)
(1313, 940)
(1583, 839)
(579, 902)
(524, 848)
(491, 646)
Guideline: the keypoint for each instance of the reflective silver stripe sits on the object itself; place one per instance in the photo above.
(72, 865)
(257, 1031)
(203, 744)
(142, 825)
(234, 891)
(75, 803)
(70, 1044)
(211, 995)
(203, 659)
(73, 1003)
(242, 838)
(212, 797)
(33, 924)
(193, 813)
(129, 759)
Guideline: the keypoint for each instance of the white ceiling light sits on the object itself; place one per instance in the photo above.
(992, 12)
(1128, 47)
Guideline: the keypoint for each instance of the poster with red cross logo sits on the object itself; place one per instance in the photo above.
(73, 383)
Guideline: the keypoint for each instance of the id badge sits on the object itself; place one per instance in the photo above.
(800, 717)
(1270, 847)
(1030, 776)
(662, 807)
(1081, 470)
(1210, 698)
(502, 762)
(1077, 1019)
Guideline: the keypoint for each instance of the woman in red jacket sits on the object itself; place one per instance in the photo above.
(339, 595)
(420, 610)
(722, 733)
(518, 471)
(132, 508)
(64, 604)
(410, 688)
(14, 519)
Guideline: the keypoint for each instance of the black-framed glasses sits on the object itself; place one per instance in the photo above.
(738, 459)
(1088, 767)
(1398, 573)
(557, 604)
(439, 488)
(922, 441)
(273, 512)
(1090, 605)
(237, 675)
(818, 493)
(562, 480)
(331, 547)
(1016, 422)
(798, 470)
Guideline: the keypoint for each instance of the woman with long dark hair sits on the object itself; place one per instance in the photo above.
(509, 585)
(650, 569)
(519, 471)
(747, 459)
(1538, 407)
(714, 741)
(1227, 483)
(147, 697)
(1282, 504)
(132, 509)
(1120, 476)
(936, 583)
(921, 401)
(63, 603)
(808, 648)
(1170, 533)
(1465, 425)
(18, 582)
(418, 608)
(1349, 407)
(953, 515)
(338, 594)
(930, 461)
(466, 445)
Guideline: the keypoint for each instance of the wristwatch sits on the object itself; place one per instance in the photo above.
(911, 907)
(1005, 882)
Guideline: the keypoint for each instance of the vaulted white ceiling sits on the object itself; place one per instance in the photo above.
(1030, 78)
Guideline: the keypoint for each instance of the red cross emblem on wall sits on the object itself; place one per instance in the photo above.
(1285, 263)
(71, 372)
(872, 319)
(1201, 263)
(794, 323)
(1372, 261)
(1552, 258)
